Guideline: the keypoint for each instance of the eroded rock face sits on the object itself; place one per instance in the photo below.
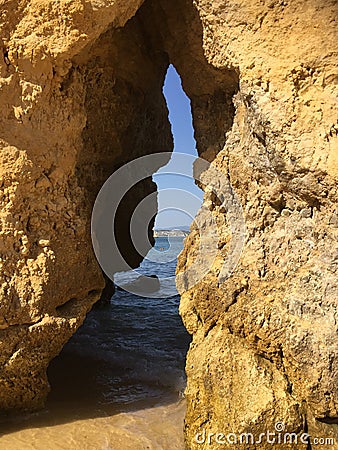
(80, 97)
(265, 342)
(73, 87)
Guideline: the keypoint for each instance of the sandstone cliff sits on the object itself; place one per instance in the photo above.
(265, 342)
(73, 86)
(81, 95)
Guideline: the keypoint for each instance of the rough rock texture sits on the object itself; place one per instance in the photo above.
(80, 97)
(72, 87)
(265, 342)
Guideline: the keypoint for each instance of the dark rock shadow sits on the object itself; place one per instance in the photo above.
(122, 359)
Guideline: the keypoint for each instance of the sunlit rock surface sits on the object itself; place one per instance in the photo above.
(81, 95)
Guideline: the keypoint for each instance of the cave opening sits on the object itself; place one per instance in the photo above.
(178, 196)
(130, 352)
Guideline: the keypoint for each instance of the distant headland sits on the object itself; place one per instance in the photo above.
(173, 232)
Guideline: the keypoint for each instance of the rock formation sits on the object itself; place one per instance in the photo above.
(81, 95)
(265, 342)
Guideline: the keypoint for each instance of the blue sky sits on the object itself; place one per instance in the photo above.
(179, 198)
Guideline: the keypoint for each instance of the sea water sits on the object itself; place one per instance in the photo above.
(119, 381)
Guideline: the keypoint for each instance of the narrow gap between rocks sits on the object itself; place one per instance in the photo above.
(129, 355)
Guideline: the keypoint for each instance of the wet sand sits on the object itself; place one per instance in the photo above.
(156, 428)
(117, 384)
